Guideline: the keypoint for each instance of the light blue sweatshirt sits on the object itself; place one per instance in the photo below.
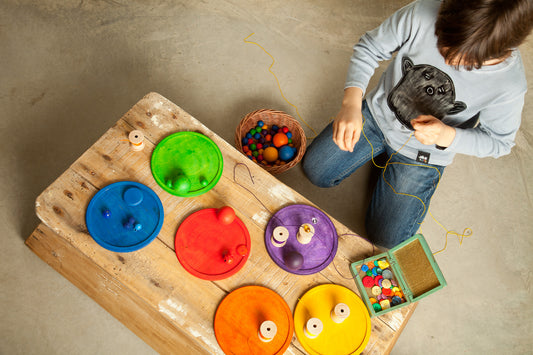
(484, 105)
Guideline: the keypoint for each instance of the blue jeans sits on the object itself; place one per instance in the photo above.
(391, 217)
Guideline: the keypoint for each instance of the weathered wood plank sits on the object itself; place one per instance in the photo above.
(109, 292)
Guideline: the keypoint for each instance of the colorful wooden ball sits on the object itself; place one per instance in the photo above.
(280, 139)
(182, 184)
(129, 223)
(270, 154)
(285, 129)
(226, 215)
(260, 123)
(286, 153)
(242, 250)
(227, 257)
(293, 260)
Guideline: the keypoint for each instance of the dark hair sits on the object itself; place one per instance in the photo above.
(474, 31)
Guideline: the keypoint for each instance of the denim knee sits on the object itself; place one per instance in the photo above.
(315, 172)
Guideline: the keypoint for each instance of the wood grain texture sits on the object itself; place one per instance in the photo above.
(110, 293)
(153, 274)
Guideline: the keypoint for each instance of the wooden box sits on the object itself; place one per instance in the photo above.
(411, 270)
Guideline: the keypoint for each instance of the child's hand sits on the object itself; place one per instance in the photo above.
(430, 130)
(349, 122)
(347, 128)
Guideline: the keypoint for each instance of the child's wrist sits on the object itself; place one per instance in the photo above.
(353, 97)
(446, 137)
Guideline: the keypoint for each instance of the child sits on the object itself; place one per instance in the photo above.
(456, 85)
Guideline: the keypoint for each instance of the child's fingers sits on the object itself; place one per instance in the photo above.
(339, 137)
(355, 138)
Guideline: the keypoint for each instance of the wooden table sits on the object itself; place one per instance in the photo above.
(148, 290)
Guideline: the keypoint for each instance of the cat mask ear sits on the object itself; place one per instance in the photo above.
(407, 64)
(458, 106)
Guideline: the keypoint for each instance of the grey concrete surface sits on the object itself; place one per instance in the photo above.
(70, 69)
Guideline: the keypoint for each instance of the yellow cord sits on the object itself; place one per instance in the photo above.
(389, 163)
(467, 232)
(279, 86)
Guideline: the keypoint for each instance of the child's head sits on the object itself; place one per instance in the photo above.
(472, 32)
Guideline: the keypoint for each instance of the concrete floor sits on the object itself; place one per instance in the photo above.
(70, 69)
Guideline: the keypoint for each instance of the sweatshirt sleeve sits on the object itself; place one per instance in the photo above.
(496, 132)
(378, 45)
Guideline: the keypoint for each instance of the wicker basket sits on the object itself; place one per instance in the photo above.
(279, 118)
